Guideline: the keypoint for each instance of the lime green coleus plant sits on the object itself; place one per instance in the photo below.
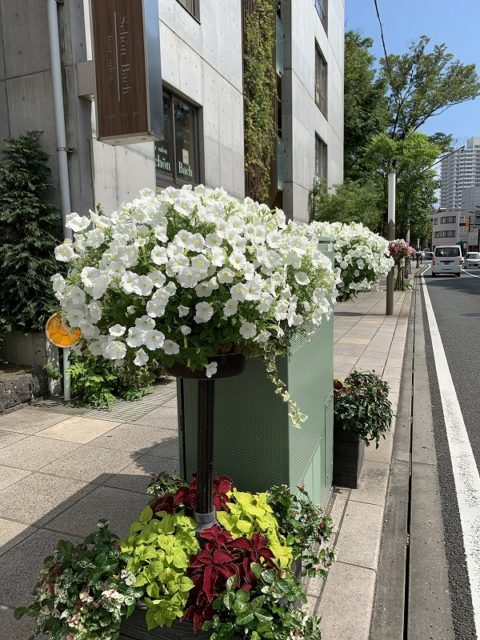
(157, 552)
(250, 513)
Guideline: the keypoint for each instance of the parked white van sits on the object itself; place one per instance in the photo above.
(447, 259)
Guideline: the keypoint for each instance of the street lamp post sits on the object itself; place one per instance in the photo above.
(391, 236)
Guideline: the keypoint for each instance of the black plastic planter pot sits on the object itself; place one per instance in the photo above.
(135, 628)
(347, 458)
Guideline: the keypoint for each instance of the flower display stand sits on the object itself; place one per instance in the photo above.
(254, 440)
(348, 456)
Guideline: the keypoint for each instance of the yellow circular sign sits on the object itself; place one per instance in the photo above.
(59, 333)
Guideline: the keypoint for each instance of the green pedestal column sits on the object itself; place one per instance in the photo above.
(254, 442)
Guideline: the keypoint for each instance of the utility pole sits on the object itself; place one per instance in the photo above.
(392, 176)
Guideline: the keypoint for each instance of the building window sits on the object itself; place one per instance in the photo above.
(322, 9)
(176, 157)
(192, 6)
(321, 80)
(448, 219)
(435, 221)
(320, 160)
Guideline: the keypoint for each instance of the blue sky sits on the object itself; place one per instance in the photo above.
(456, 23)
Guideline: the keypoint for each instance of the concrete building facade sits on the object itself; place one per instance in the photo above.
(201, 55)
(459, 171)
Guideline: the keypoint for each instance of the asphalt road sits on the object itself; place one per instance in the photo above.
(456, 304)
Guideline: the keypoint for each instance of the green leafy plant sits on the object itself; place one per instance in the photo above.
(260, 95)
(305, 528)
(97, 382)
(52, 372)
(362, 406)
(30, 228)
(83, 591)
(268, 610)
(250, 512)
(157, 552)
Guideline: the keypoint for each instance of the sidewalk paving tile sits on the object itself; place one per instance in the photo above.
(78, 429)
(134, 437)
(39, 497)
(33, 453)
(11, 533)
(15, 629)
(9, 437)
(20, 566)
(384, 451)
(166, 449)
(137, 475)
(359, 538)
(119, 507)
(10, 475)
(29, 420)
(373, 483)
(90, 463)
(163, 417)
(346, 604)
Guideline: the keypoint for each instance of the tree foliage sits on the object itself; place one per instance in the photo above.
(365, 102)
(422, 84)
(351, 202)
(30, 228)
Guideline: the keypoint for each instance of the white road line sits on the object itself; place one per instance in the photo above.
(470, 273)
(465, 471)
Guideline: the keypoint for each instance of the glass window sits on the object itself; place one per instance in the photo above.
(185, 140)
(320, 159)
(192, 6)
(176, 157)
(321, 80)
(322, 9)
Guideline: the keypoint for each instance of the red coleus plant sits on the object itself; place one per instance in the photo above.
(220, 557)
(185, 497)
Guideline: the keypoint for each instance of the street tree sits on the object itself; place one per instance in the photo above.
(412, 157)
(352, 201)
(422, 84)
(365, 102)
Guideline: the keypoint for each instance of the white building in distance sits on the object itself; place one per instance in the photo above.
(459, 171)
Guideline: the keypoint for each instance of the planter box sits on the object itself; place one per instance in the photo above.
(135, 628)
(348, 457)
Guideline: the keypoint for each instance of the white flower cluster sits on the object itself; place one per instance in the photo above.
(185, 274)
(361, 256)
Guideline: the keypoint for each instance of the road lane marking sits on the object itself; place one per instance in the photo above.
(465, 471)
(470, 273)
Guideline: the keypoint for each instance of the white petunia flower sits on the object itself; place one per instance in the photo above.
(170, 347)
(211, 369)
(185, 329)
(77, 223)
(141, 358)
(64, 252)
(204, 312)
(117, 330)
(230, 308)
(114, 350)
(183, 311)
(159, 255)
(248, 330)
(302, 278)
(153, 340)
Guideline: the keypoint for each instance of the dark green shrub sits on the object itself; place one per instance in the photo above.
(96, 382)
(30, 228)
(361, 406)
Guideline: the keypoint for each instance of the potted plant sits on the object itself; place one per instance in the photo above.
(232, 580)
(186, 275)
(361, 256)
(362, 414)
(401, 251)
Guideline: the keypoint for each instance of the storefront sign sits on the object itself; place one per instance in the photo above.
(126, 42)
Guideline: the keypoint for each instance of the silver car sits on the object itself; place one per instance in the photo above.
(472, 260)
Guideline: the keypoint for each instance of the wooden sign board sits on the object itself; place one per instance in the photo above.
(126, 42)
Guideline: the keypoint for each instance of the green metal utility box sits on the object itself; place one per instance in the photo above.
(254, 442)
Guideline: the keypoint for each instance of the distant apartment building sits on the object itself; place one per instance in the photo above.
(201, 44)
(459, 171)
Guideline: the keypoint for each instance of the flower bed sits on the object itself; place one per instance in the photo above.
(234, 578)
(184, 275)
(361, 256)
